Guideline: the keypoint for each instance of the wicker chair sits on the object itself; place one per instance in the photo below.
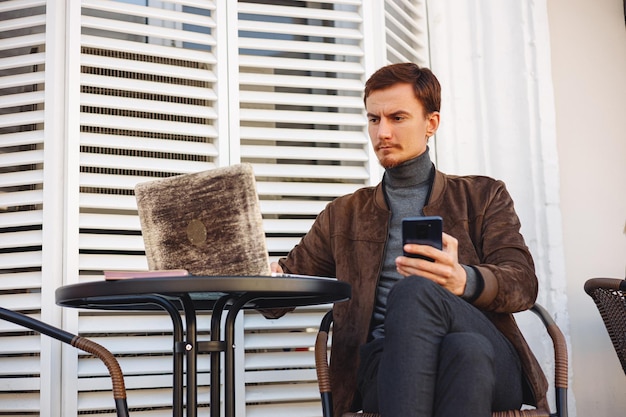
(560, 366)
(89, 346)
(609, 294)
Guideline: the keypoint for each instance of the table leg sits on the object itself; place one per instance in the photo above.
(178, 352)
(229, 366)
(216, 324)
(192, 356)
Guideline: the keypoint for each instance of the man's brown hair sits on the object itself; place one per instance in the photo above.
(425, 85)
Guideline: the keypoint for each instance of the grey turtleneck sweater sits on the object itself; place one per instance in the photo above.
(407, 187)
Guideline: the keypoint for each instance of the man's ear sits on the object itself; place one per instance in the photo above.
(433, 123)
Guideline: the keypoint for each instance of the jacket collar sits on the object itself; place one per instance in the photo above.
(435, 193)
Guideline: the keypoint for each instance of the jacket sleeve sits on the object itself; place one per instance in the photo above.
(506, 265)
(312, 256)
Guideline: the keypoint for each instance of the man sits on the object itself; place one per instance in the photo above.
(423, 338)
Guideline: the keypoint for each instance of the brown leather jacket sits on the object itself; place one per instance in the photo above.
(348, 239)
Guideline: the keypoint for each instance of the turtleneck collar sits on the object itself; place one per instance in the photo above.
(410, 173)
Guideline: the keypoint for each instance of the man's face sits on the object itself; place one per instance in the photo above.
(398, 129)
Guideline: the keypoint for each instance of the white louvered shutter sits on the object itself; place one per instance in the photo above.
(302, 126)
(149, 108)
(160, 88)
(22, 73)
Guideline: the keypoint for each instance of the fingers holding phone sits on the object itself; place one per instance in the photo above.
(426, 230)
(423, 238)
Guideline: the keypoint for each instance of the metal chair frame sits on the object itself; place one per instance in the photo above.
(84, 344)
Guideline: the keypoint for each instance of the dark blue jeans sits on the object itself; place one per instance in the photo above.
(440, 357)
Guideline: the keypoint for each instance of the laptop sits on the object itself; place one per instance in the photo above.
(208, 223)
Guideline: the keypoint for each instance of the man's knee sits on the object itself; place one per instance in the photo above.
(471, 351)
(414, 289)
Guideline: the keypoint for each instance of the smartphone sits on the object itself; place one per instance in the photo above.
(424, 230)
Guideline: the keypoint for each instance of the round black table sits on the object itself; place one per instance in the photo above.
(186, 295)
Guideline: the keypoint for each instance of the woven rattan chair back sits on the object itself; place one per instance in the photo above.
(609, 294)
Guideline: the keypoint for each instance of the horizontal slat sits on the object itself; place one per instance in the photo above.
(131, 365)
(108, 221)
(106, 201)
(151, 87)
(22, 138)
(20, 119)
(90, 262)
(19, 403)
(147, 144)
(317, 83)
(148, 106)
(307, 117)
(24, 99)
(26, 383)
(10, 5)
(311, 171)
(281, 376)
(140, 345)
(304, 189)
(20, 280)
(21, 239)
(24, 22)
(287, 226)
(147, 125)
(13, 159)
(282, 392)
(29, 79)
(22, 301)
(278, 340)
(323, 100)
(21, 61)
(16, 345)
(142, 164)
(287, 409)
(21, 198)
(141, 67)
(193, 55)
(298, 12)
(19, 365)
(151, 12)
(304, 135)
(312, 30)
(281, 244)
(132, 323)
(159, 32)
(277, 45)
(302, 152)
(35, 40)
(298, 321)
(102, 400)
(292, 207)
(12, 179)
(273, 62)
(20, 260)
(110, 242)
(131, 382)
(119, 182)
(295, 359)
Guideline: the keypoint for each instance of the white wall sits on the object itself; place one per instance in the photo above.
(588, 43)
